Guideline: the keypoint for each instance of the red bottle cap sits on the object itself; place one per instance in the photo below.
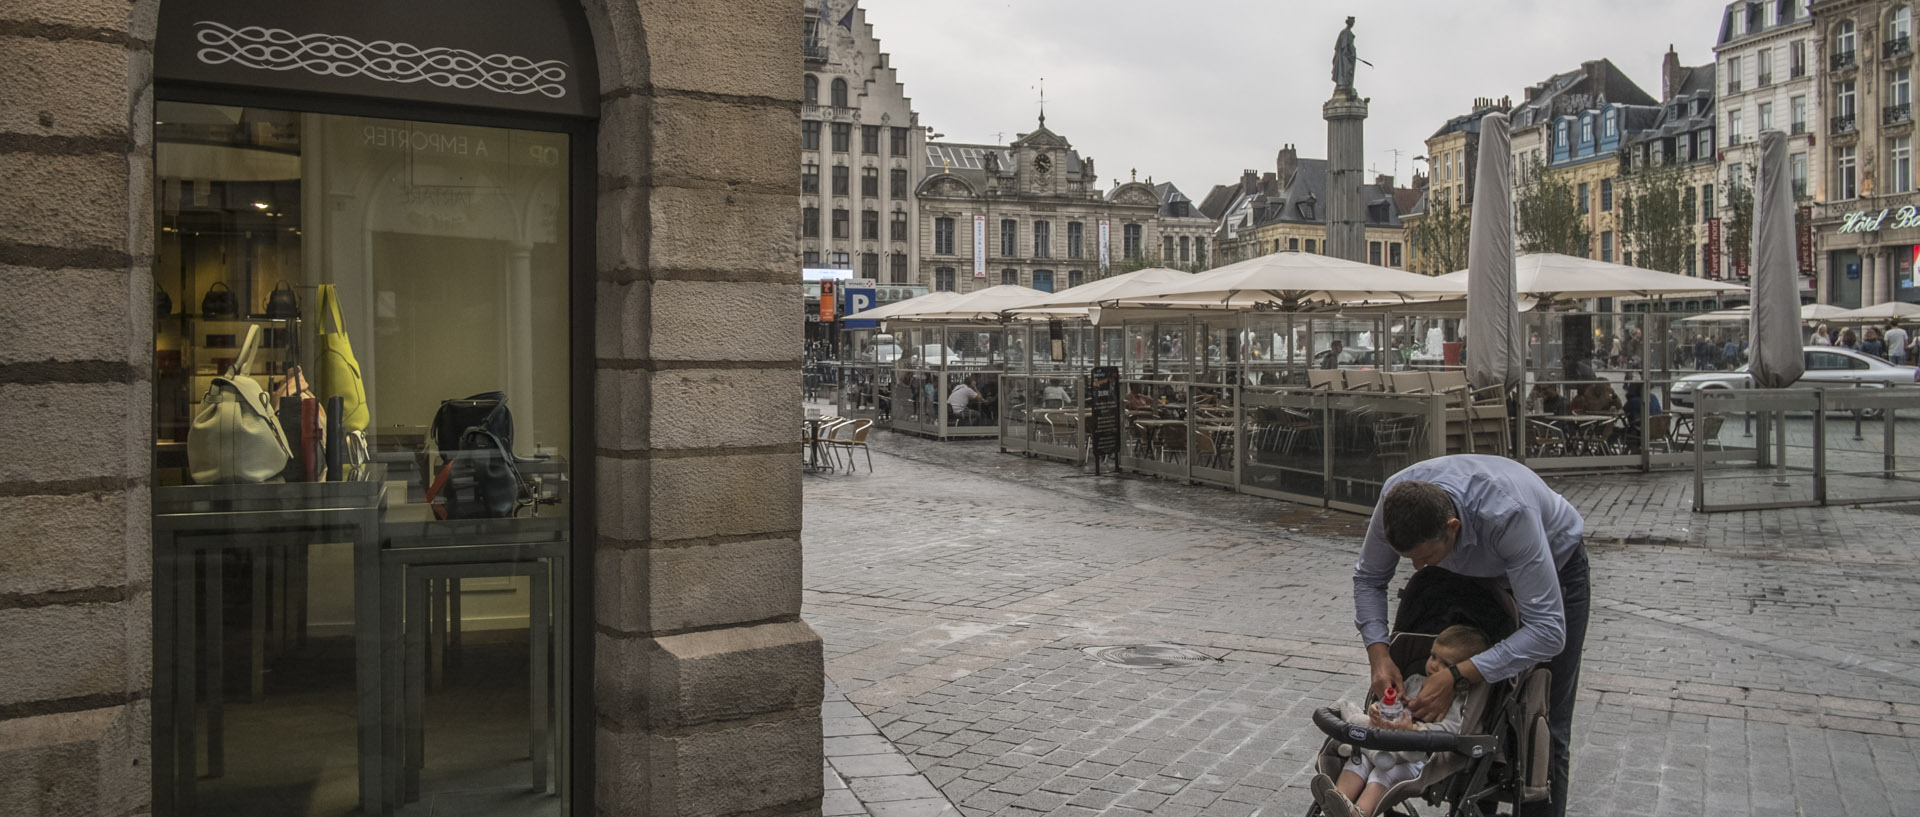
(1389, 697)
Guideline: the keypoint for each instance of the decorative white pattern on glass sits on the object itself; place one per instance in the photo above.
(276, 49)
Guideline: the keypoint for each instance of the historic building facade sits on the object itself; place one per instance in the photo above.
(1682, 139)
(860, 149)
(1767, 61)
(1033, 213)
(1864, 222)
(1286, 212)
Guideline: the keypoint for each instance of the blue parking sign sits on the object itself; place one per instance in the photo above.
(855, 300)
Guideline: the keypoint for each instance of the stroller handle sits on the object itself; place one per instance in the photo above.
(1400, 740)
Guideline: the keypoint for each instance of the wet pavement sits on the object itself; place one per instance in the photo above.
(1760, 663)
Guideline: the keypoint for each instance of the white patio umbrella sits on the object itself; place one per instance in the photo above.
(1083, 301)
(978, 305)
(1288, 282)
(918, 303)
(1551, 276)
(1877, 312)
(1808, 314)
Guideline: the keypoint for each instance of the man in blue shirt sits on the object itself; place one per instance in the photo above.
(1489, 517)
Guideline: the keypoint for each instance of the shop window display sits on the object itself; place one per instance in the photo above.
(361, 503)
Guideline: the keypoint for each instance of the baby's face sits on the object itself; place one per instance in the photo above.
(1439, 658)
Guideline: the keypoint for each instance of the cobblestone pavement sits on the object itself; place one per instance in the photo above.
(1758, 663)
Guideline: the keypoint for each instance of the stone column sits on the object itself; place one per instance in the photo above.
(1869, 273)
(707, 684)
(1346, 157)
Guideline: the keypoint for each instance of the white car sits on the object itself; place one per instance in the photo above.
(1827, 366)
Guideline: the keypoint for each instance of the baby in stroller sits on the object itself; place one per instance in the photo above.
(1491, 749)
(1369, 773)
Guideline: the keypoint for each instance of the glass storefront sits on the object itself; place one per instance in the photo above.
(362, 502)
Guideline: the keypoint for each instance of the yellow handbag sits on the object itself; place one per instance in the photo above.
(339, 371)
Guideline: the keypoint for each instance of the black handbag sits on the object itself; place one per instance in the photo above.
(283, 302)
(470, 469)
(220, 303)
(162, 303)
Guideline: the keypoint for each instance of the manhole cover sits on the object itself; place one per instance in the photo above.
(1150, 656)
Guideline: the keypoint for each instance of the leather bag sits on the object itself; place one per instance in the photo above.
(283, 302)
(339, 370)
(306, 419)
(469, 459)
(236, 435)
(220, 304)
(162, 303)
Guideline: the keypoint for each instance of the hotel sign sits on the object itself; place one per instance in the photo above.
(1868, 221)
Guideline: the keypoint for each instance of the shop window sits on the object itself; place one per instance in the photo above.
(369, 354)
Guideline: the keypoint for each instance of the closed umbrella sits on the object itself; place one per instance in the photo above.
(1493, 322)
(1776, 360)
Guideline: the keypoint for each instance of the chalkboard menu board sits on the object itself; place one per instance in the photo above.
(1103, 399)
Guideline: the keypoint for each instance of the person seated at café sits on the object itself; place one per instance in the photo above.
(1637, 399)
(1053, 395)
(1138, 400)
(1546, 399)
(1578, 368)
(963, 401)
(1596, 399)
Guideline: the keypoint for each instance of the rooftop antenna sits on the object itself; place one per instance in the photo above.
(1396, 160)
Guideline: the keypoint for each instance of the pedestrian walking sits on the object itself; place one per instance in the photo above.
(1487, 517)
(1896, 343)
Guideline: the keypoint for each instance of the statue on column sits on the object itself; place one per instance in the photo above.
(1344, 57)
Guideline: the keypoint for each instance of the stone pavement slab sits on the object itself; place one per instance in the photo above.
(1752, 663)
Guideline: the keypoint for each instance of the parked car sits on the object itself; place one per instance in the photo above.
(1827, 366)
(1349, 359)
(930, 355)
(879, 353)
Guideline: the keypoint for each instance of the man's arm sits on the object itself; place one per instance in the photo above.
(1370, 577)
(1523, 546)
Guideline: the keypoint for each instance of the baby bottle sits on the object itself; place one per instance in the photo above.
(1391, 709)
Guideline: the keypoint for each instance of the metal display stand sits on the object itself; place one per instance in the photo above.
(193, 526)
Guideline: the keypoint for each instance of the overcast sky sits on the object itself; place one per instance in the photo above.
(1193, 92)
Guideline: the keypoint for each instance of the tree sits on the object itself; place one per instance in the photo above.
(1549, 218)
(1739, 198)
(1440, 237)
(1656, 218)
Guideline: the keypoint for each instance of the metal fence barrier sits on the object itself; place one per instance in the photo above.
(1793, 448)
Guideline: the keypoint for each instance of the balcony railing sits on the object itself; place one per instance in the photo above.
(1797, 128)
(1842, 124)
(815, 51)
(1843, 60)
(1896, 114)
(1733, 86)
(1763, 81)
(1897, 47)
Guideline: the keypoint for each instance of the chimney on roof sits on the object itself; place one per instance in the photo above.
(1285, 163)
(1249, 181)
(1506, 103)
(1670, 75)
(1384, 182)
(1419, 180)
(1270, 185)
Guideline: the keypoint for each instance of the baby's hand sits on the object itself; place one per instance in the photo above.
(1373, 712)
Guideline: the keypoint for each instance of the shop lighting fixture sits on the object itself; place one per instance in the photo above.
(261, 205)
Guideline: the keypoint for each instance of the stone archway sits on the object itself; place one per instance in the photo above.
(707, 684)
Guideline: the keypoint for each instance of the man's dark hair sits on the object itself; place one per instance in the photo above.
(1414, 512)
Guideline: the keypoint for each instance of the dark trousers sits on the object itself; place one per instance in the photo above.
(1577, 595)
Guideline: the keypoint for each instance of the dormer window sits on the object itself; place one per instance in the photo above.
(1612, 126)
(1586, 130)
(1560, 134)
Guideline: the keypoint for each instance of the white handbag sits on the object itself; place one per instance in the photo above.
(236, 435)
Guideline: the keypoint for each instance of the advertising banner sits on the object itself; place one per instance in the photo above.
(1105, 232)
(979, 246)
(1713, 248)
(1803, 229)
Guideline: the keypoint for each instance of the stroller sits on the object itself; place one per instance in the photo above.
(1503, 751)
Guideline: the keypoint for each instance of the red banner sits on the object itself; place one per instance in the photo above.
(1803, 224)
(826, 300)
(1713, 248)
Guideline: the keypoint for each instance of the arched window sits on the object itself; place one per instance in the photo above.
(811, 95)
(839, 93)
